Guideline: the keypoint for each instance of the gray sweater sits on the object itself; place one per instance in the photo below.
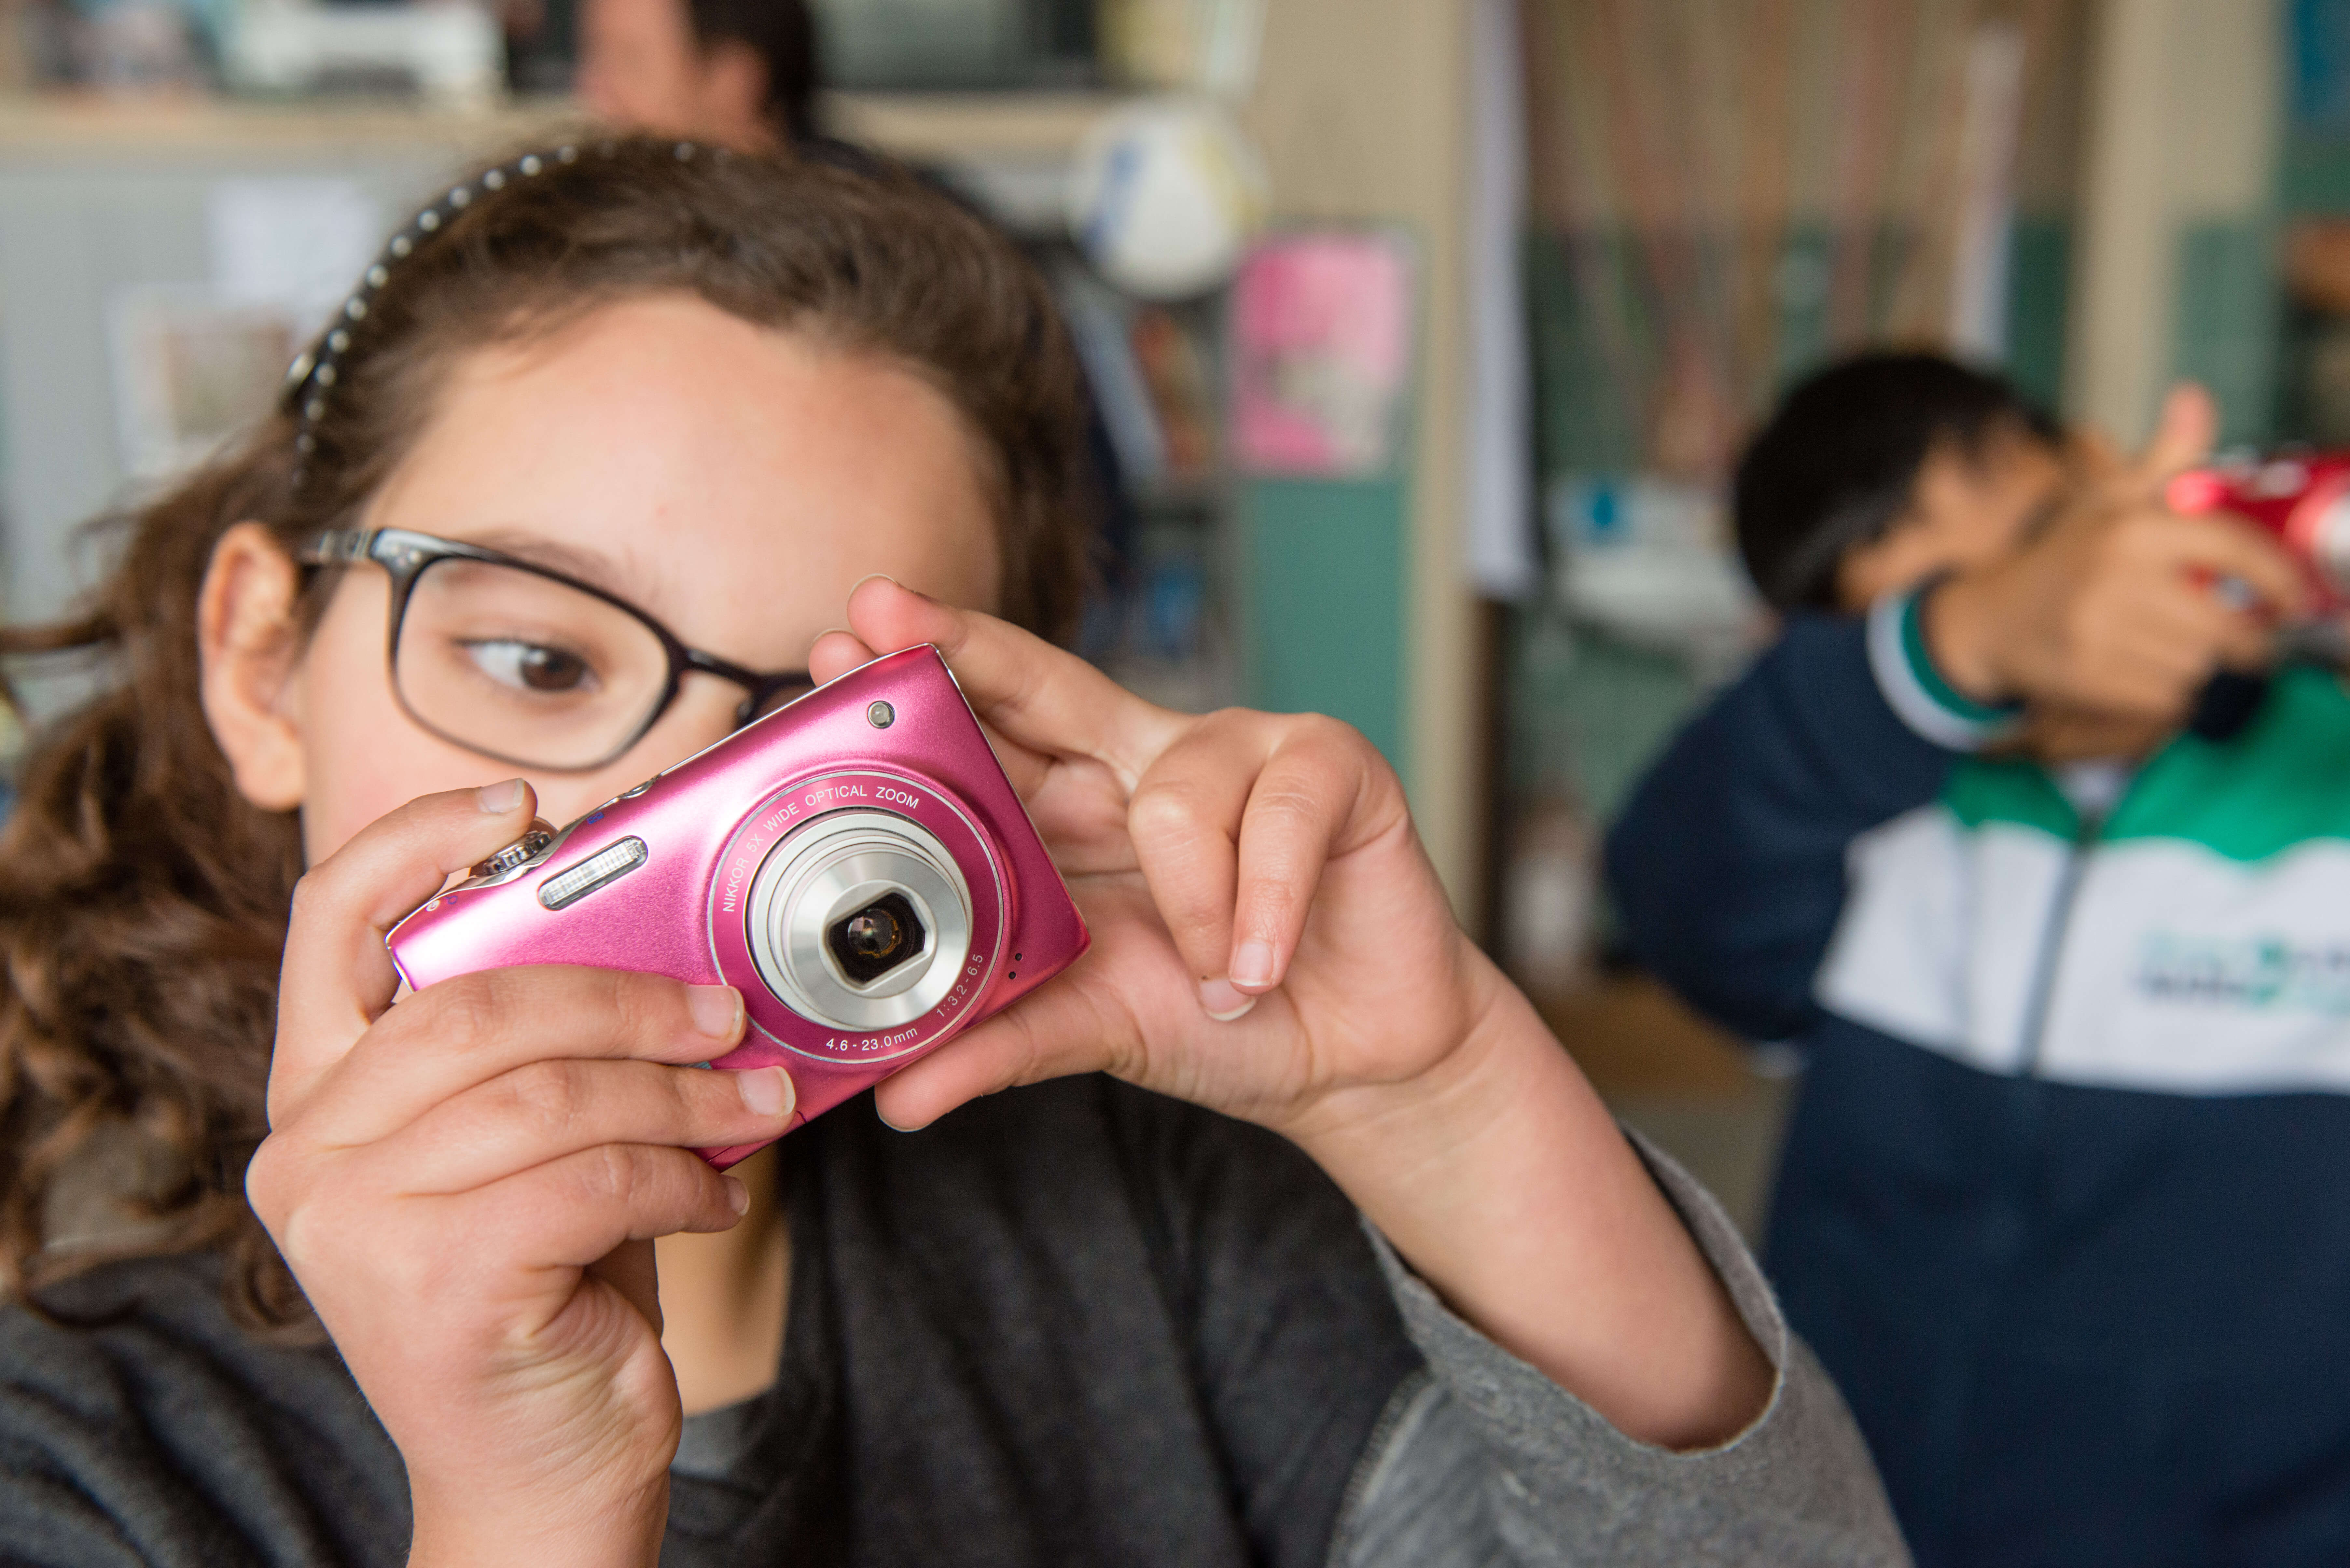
(1069, 1324)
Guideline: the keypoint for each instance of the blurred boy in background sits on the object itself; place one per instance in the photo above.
(744, 74)
(2061, 1199)
(738, 73)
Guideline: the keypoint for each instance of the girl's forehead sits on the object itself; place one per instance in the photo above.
(667, 450)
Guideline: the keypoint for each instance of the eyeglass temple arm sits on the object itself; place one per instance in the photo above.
(336, 548)
(759, 687)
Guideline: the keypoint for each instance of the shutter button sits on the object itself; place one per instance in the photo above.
(521, 852)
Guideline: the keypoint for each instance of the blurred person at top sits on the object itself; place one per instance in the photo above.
(2058, 910)
(738, 73)
(744, 74)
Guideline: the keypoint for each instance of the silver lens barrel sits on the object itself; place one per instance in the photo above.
(860, 872)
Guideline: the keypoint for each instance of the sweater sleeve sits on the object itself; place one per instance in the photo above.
(143, 1430)
(1482, 1459)
(1727, 866)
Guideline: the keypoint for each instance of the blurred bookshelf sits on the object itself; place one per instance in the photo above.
(109, 194)
(1165, 618)
(1358, 107)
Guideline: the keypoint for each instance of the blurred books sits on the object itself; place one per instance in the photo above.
(1322, 342)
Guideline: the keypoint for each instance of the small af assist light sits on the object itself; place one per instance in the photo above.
(600, 869)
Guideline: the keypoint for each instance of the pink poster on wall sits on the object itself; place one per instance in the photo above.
(1322, 348)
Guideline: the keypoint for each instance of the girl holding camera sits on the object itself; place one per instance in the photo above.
(1305, 1242)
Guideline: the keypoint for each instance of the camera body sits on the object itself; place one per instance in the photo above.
(856, 864)
(2302, 500)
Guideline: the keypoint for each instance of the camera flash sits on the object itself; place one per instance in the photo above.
(566, 888)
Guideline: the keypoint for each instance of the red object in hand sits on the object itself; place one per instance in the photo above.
(2303, 502)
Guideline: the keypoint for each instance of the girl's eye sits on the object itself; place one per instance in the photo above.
(532, 667)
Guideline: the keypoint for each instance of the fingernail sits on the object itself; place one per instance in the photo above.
(737, 1195)
(1222, 1001)
(1253, 965)
(716, 1010)
(766, 1090)
(498, 799)
(884, 577)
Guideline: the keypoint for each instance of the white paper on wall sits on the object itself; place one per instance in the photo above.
(1991, 129)
(297, 243)
(1498, 444)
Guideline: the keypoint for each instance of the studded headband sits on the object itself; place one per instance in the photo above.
(311, 377)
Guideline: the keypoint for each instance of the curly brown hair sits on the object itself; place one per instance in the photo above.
(143, 900)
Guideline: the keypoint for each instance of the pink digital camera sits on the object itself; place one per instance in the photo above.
(2304, 501)
(856, 864)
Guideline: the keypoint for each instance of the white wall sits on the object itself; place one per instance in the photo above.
(2183, 120)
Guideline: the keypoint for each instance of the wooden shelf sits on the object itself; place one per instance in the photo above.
(952, 127)
(937, 127)
(82, 126)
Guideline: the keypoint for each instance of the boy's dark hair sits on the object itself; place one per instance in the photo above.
(781, 33)
(1835, 466)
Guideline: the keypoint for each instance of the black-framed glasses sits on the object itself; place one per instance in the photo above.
(521, 663)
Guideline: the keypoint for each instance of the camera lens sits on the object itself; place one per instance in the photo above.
(877, 939)
(861, 919)
(871, 935)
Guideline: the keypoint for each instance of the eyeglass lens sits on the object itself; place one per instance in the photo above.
(515, 664)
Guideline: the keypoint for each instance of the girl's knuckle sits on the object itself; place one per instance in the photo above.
(551, 1097)
(466, 1010)
(1163, 813)
(647, 1007)
(312, 897)
(270, 1182)
(314, 1227)
(422, 1266)
(306, 893)
(292, 1229)
(606, 1173)
(1292, 798)
(1320, 731)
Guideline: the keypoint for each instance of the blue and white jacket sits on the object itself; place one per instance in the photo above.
(2064, 1203)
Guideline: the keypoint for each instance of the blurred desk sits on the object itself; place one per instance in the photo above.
(1682, 1082)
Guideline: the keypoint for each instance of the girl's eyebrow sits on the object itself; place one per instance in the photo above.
(590, 566)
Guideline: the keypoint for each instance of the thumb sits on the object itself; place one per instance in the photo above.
(836, 653)
(337, 975)
(629, 1269)
(2183, 434)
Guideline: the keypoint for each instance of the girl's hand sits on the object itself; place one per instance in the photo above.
(1270, 941)
(467, 1186)
(1269, 937)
